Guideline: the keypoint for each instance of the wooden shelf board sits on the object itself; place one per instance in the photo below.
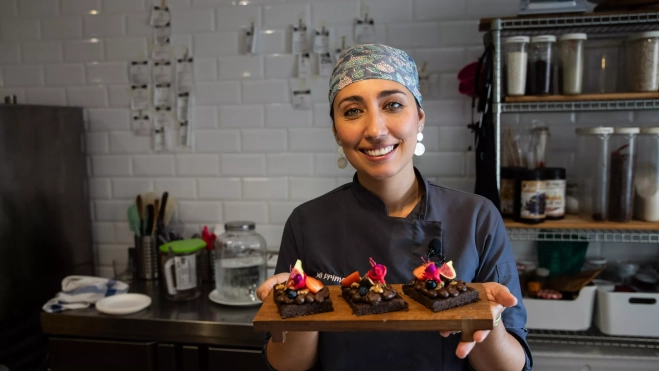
(581, 97)
(575, 222)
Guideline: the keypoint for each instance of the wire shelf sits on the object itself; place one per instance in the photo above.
(576, 235)
(590, 24)
(592, 337)
(609, 105)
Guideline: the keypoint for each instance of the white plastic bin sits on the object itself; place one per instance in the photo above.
(570, 315)
(627, 313)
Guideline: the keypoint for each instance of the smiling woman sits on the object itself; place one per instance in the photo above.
(391, 212)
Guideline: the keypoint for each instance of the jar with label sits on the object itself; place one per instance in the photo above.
(180, 269)
(646, 205)
(541, 56)
(643, 61)
(507, 190)
(516, 64)
(240, 264)
(530, 201)
(593, 172)
(555, 177)
(572, 58)
(621, 176)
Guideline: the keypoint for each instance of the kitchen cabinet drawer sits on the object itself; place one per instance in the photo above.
(236, 359)
(100, 355)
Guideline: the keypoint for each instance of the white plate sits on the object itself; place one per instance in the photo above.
(123, 304)
(214, 296)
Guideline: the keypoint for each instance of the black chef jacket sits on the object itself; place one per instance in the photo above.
(336, 234)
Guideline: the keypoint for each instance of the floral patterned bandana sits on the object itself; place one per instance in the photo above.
(374, 61)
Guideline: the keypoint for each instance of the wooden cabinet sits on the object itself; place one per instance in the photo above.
(100, 355)
(236, 359)
(71, 354)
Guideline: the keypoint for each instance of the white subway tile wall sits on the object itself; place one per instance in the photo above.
(254, 156)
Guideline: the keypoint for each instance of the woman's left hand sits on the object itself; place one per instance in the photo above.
(499, 298)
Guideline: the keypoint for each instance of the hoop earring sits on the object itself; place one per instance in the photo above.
(420, 149)
(342, 162)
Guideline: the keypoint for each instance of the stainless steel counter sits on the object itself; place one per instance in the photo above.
(199, 321)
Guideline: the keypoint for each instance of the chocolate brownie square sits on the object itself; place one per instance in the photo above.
(373, 302)
(304, 302)
(454, 294)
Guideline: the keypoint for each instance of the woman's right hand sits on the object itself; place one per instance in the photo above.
(263, 290)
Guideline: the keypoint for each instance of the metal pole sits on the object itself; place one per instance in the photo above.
(496, 101)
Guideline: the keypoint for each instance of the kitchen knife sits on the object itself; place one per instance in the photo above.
(149, 219)
(163, 207)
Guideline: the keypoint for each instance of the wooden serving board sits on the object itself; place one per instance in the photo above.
(467, 319)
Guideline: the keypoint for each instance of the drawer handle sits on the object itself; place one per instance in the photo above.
(642, 301)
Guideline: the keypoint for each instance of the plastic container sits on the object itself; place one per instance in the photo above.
(240, 263)
(643, 61)
(621, 177)
(556, 197)
(627, 314)
(530, 195)
(593, 178)
(541, 64)
(646, 198)
(568, 315)
(180, 269)
(516, 64)
(572, 59)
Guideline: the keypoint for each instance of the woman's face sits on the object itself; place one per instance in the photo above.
(376, 122)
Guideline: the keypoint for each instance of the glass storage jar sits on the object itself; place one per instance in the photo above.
(646, 205)
(240, 263)
(572, 57)
(180, 269)
(643, 61)
(593, 171)
(622, 166)
(516, 64)
(541, 62)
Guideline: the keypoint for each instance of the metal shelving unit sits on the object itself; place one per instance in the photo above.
(596, 25)
(583, 235)
(591, 337)
(581, 106)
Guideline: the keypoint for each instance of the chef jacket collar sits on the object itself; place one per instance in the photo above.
(369, 200)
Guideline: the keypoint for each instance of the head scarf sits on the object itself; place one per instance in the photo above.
(374, 61)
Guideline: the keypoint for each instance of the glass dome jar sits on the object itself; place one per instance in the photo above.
(240, 263)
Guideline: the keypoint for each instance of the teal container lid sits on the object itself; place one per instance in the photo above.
(184, 246)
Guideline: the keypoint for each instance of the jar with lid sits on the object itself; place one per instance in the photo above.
(572, 58)
(240, 263)
(643, 61)
(621, 174)
(555, 204)
(180, 268)
(646, 205)
(593, 171)
(541, 61)
(530, 195)
(516, 64)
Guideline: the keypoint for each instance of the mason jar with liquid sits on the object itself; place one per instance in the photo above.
(240, 263)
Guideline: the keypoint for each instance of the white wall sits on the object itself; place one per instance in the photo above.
(254, 156)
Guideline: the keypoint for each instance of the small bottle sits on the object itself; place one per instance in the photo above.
(541, 275)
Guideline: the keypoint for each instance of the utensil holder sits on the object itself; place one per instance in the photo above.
(147, 258)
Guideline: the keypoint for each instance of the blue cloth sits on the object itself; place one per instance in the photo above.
(335, 234)
(82, 291)
(374, 61)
